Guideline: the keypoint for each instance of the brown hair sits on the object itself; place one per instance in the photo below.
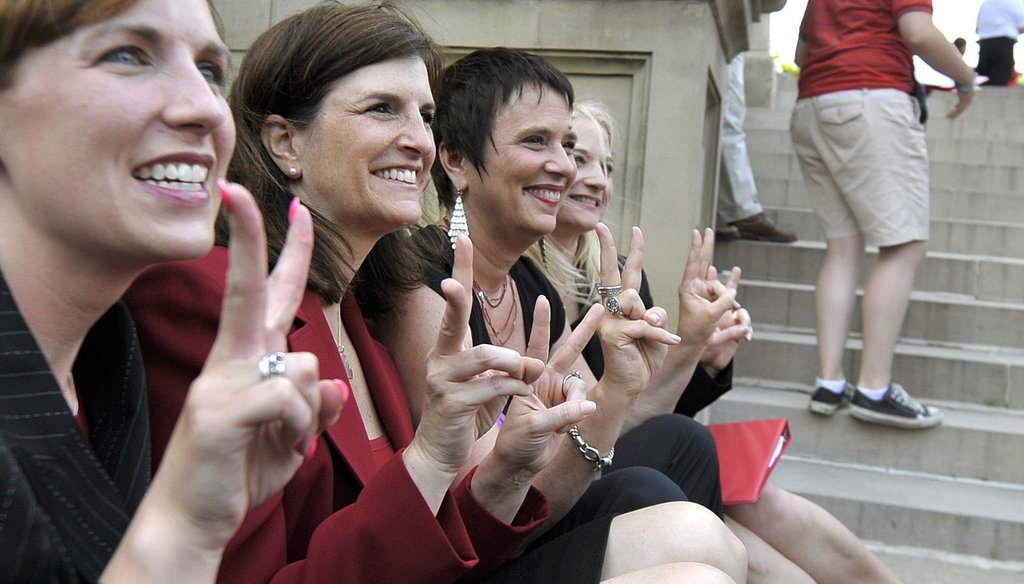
(28, 24)
(288, 71)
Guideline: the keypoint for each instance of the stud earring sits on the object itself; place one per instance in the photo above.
(458, 226)
(294, 172)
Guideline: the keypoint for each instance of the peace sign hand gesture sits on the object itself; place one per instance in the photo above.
(634, 344)
(249, 419)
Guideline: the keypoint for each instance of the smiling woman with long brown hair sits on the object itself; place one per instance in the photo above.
(115, 133)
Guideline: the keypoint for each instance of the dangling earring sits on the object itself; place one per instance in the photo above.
(544, 251)
(458, 226)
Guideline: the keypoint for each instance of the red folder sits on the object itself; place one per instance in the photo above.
(747, 454)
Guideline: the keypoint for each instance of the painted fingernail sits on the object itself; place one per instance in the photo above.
(293, 209)
(225, 195)
(588, 407)
(750, 333)
(344, 391)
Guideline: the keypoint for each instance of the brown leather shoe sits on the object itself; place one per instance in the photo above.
(759, 228)
(726, 233)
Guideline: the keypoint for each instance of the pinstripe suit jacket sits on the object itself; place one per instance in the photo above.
(65, 500)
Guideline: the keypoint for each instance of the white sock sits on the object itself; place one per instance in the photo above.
(833, 385)
(873, 394)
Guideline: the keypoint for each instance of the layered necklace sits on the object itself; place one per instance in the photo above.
(341, 347)
(502, 334)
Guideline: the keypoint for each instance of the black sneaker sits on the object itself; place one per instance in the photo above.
(896, 408)
(826, 402)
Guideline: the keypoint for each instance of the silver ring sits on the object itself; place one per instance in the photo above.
(611, 303)
(271, 365)
(609, 291)
(574, 374)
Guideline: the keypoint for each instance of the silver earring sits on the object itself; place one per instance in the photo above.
(458, 226)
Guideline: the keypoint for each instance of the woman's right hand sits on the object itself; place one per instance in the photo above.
(241, 434)
(634, 341)
(463, 380)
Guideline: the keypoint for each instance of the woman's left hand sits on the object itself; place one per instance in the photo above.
(733, 328)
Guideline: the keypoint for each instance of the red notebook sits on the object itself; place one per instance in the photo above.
(747, 454)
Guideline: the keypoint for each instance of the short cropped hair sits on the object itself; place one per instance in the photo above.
(469, 95)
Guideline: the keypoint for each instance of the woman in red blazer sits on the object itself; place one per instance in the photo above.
(334, 105)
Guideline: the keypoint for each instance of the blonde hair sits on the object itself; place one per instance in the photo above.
(577, 277)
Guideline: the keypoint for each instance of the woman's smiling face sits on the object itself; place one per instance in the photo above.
(528, 166)
(119, 159)
(588, 197)
(366, 158)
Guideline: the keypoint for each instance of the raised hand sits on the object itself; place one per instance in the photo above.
(462, 380)
(632, 340)
(732, 329)
(527, 440)
(704, 302)
(242, 434)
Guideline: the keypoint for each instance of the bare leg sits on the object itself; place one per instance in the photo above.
(811, 538)
(683, 573)
(886, 297)
(765, 565)
(834, 300)
(670, 533)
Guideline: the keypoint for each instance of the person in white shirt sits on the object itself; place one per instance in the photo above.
(1000, 22)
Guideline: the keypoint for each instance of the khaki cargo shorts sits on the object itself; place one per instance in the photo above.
(865, 164)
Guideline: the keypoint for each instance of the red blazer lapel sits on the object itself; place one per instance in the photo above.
(313, 334)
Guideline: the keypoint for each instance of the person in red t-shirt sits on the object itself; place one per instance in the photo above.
(862, 150)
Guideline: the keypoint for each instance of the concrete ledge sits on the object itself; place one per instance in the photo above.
(977, 376)
(983, 277)
(973, 442)
(905, 508)
(932, 317)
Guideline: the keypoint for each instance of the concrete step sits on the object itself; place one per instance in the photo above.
(973, 442)
(993, 278)
(913, 565)
(960, 516)
(940, 150)
(956, 177)
(933, 317)
(946, 202)
(995, 238)
(969, 374)
(995, 115)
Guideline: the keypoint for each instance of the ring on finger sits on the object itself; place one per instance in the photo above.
(271, 365)
(612, 305)
(610, 298)
(574, 374)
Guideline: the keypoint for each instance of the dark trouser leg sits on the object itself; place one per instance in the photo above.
(680, 448)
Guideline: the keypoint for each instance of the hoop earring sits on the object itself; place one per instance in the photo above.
(458, 226)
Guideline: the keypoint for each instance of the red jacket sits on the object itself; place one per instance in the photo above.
(340, 519)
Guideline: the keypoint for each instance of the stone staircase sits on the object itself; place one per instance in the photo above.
(939, 505)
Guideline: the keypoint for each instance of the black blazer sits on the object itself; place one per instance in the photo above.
(65, 500)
